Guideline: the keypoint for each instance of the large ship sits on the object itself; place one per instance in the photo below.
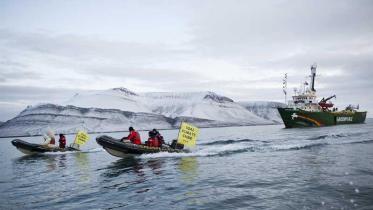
(306, 111)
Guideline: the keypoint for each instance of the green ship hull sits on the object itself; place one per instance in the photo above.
(295, 118)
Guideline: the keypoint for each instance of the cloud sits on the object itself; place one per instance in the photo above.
(84, 48)
(274, 37)
(12, 69)
(265, 28)
(86, 59)
(240, 49)
(26, 95)
(13, 99)
(9, 110)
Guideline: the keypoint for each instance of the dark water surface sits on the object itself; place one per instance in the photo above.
(257, 167)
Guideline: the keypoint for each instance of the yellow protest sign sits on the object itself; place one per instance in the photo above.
(187, 134)
(81, 138)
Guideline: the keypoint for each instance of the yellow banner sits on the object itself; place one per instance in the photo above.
(187, 134)
(81, 138)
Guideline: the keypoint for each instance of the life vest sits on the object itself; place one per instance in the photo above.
(160, 139)
(153, 142)
(62, 141)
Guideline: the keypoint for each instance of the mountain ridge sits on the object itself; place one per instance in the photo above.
(118, 108)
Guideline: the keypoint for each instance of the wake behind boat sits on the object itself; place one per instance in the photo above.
(118, 148)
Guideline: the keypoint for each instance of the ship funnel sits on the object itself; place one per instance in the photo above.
(313, 75)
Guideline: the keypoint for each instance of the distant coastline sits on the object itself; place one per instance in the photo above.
(125, 131)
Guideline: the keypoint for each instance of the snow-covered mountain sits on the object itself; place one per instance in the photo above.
(117, 109)
(116, 98)
(204, 105)
(69, 119)
(264, 109)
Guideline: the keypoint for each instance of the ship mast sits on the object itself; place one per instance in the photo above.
(313, 75)
(285, 85)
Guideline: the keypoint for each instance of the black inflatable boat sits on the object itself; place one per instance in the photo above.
(30, 148)
(124, 149)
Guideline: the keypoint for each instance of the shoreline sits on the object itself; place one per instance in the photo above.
(124, 131)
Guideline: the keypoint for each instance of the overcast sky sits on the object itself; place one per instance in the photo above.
(51, 49)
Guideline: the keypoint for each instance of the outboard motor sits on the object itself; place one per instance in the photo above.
(175, 145)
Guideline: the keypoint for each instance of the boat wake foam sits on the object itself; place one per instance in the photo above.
(230, 141)
(296, 146)
(334, 136)
(226, 149)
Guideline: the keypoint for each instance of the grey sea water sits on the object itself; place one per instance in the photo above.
(255, 167)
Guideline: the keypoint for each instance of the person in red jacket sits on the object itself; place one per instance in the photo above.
(62, 141)
(159, 137)
(153, 140)
(134, 136)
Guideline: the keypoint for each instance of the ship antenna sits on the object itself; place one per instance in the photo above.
(313, 76)
(285, 85)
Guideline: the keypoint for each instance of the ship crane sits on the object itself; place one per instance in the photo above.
(324, 102)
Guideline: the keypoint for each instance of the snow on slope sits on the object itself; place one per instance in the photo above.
(117, 109)
(69, 119)
(36, 120)
(264, 109)
(116, 98)
(205, 105)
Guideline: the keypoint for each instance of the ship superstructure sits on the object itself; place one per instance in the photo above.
(305, 110)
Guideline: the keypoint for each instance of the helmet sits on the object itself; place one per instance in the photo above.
(131, 129)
